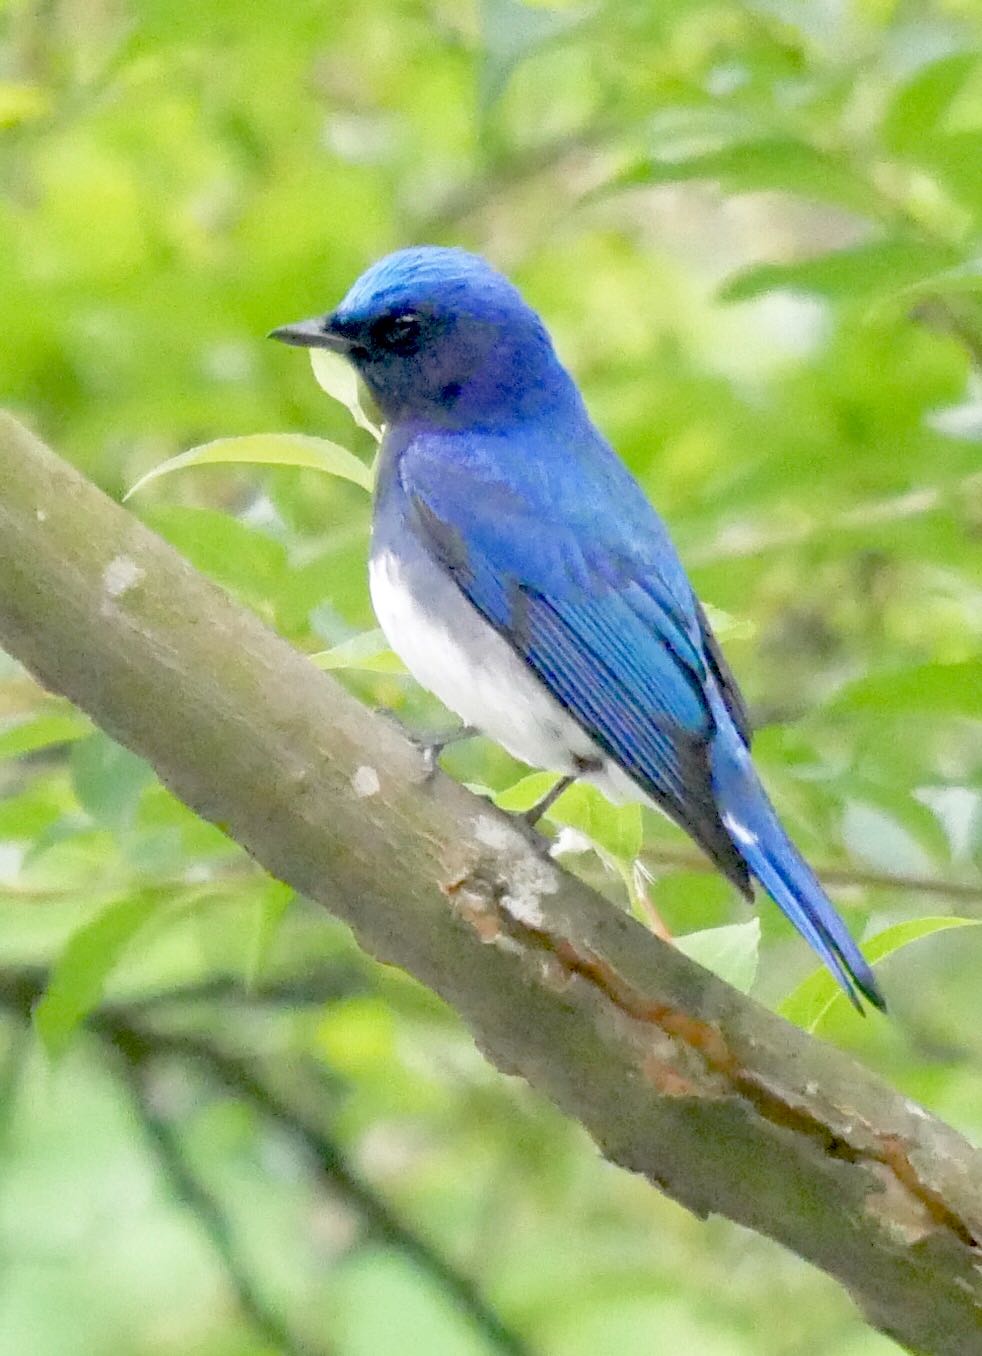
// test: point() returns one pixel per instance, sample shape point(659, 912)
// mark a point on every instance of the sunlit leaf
point(338, 378)
point(731, 952)
point(919, 108)
point(778, 163)
point(726, 626)
point(369, 651)
point(21, 102)
point(78, 977)
point(29, 815)
point(810, 1002)
point(954, 161)
point(41, 731)
point(268, 449)
point(525, 793)
point(271, 903)
point(614, 829)
point(862, 271)
point(357, 1034)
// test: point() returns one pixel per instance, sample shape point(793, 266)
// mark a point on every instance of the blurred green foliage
point(754, 229)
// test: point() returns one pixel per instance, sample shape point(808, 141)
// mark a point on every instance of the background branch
point(165, 1141)
point(238, 1078)
point(138, 1041)
point(715, 1100)
point(689, 859)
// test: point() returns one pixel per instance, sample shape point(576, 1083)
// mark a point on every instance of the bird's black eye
point(397, 333)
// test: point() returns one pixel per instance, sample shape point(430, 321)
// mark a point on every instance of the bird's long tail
point(772, 858)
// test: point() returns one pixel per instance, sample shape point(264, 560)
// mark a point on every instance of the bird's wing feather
point(597, 614)
point(727, 684)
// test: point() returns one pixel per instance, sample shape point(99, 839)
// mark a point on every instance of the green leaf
point(955, 160)
point(79, 975)
point(357, 1034)
point(930, 689)
point(108, 780)
point(30, 814)
point(727, 626)
point(919, 109)
point(268, 449)
point(524, 793)
point(240, 557)
point(864, 271)
point(271, 903)
point(782, 164)
point(810, 1002)
point(731, 952)
point(338, 379)
point(614, 829)
point(21, 102)
point(369, 651)
point(41, 731)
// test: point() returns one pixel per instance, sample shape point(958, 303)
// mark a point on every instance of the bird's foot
point(431, 743)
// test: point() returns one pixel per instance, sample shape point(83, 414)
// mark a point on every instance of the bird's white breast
point(452, 651)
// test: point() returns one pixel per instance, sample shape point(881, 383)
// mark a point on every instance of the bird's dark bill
point(315, 333)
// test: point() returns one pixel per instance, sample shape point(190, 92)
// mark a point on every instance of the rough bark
point(718, 1102)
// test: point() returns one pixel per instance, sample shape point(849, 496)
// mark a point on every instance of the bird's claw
point(431, 743)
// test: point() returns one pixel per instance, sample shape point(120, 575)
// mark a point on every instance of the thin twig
point(327, 985)
point(939, 313)
point(10, 1075)
point(689, 859)
point(22, 986)
point(475, 195)
point(237, 877)
point(742, 539)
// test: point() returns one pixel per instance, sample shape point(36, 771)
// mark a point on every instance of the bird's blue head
point(441, 337)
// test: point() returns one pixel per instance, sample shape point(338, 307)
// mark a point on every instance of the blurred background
point(750, 225)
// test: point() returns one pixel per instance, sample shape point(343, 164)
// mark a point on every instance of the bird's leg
point(533, 815)
point(431, 743)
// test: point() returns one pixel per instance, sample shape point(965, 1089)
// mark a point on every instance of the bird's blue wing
point(600, 609)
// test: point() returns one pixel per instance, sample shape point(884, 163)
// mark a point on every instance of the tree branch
point(714, 1099)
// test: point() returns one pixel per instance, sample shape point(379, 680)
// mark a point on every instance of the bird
point(522, 575)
